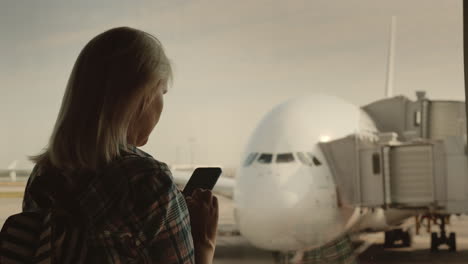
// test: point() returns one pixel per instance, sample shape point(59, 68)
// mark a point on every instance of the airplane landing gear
point(395, 235)
point(436, 240)
point(339, 249)
point(281, 257)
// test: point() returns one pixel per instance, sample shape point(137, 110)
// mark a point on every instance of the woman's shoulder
point(141, 166)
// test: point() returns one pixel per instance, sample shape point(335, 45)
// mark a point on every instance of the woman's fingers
point(203, 209)
point(207, 196)
point(196, 193)
point(215, 206)
point(203, 195)
point(214, 202)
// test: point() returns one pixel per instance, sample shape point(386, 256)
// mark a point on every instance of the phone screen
point(204, 178)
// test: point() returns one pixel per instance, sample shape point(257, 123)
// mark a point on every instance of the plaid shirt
point(131, 211)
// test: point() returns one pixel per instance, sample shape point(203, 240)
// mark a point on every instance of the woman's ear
point(133, 124)
point(139, 110)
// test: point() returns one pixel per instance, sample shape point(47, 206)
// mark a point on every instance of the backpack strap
point(19, 237)
point(68, 239)
point(43, 236)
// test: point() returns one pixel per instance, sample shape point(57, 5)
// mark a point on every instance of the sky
point(233, 61)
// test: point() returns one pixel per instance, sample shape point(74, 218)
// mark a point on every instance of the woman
point(109, 200)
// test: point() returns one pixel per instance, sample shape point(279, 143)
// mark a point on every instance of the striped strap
point(42, 237)
point(19, 237)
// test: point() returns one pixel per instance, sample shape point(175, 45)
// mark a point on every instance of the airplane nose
point(274, 217)
point(263, 191)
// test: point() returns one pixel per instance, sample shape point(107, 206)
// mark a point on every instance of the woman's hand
point(203, 209)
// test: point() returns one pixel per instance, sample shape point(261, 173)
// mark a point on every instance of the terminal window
point(376, 163)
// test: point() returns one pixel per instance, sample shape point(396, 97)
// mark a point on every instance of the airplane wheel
point(452, 242)
point(434, 242)
point(406, 237)
point(389, 239)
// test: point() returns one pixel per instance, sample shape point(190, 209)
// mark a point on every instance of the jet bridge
point(420, 119)
point(418, 162)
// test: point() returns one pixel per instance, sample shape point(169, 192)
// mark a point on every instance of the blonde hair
point(107, 88)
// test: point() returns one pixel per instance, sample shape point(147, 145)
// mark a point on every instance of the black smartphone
point(204, 178)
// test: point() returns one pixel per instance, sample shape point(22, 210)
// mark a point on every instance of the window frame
point(304, 158)
point(314, 159)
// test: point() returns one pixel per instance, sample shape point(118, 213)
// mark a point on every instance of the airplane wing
point(224, 186)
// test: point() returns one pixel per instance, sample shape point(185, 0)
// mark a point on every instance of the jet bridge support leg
point(442, 239)
point(419, 222)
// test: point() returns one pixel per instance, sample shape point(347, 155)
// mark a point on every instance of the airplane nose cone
point(273, 217)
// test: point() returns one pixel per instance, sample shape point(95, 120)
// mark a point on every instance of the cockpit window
point(284, 158)
point(305, 159)
point(315, 160)
point(250, 159)
point(265, 158)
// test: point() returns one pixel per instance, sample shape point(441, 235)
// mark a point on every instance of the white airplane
point(285, 196)
point(284, 193)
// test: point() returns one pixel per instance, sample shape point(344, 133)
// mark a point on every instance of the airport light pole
point(389, 83)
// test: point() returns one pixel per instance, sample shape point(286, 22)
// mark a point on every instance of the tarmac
point(233, 248)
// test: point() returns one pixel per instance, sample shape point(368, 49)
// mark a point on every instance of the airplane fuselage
point(285, 195)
